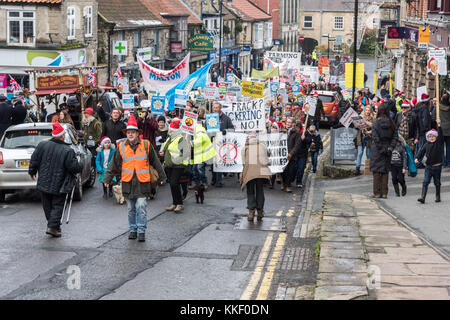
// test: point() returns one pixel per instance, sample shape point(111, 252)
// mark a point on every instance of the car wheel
point(92, 176)
point(2, 196)
point(78, 193)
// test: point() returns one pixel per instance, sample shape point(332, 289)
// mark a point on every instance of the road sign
point(120, 48)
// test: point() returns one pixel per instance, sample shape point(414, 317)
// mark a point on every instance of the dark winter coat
point(423, 120)
point(399, 157)
point(19, 113)
point(294, 141)
point(225, 122)
point(384, 140)
point(411, 123)
point(319, 110)
point(6, 112)
point(113, 130)
point(433, 151)
point(53, 160)
point(444, 115)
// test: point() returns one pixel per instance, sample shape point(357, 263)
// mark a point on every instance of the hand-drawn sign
point(228, 152)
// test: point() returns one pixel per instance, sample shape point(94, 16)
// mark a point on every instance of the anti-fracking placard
point(277, 149)
point(181, 97)
point(212, 122)
point(229, 152)
point(348, 116)
point(189, 121)
point(158, 103)
point(310, 104)
point(246, 116)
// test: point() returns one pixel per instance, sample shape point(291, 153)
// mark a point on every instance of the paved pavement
point(431, 220)
point(367, 254)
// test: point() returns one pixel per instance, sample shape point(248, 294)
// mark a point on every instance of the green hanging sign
point(200, 42)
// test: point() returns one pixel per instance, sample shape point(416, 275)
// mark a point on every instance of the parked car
point(18, 144)
point(330, 102)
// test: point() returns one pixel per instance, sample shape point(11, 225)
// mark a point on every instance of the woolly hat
point(58, 130)
point(175, 125)
point(132, 125)
point(161, 118)
point(103, 140)
point(89, 111)
point(432, 132)
point(424, 97)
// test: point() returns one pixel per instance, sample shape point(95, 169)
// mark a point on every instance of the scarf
point(404, 127)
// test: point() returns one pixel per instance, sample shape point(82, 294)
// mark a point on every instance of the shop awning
point(53, 91)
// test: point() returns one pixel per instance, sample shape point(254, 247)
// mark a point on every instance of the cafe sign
point(58, 82)
point(200, 42)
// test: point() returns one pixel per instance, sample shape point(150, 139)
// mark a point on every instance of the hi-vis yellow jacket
point(202, 146)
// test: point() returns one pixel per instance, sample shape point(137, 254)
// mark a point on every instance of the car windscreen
point(326, 99)
point(25, 138)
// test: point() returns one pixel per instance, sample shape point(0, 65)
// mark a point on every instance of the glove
point(289, 156)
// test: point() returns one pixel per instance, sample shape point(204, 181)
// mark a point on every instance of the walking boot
point(110, 194)
point(438, 194)
point(179, 208)
point(251, 215)
point(141, 237)
point(397, 189)
point(171, 207)
point(357, 171)
point(132, 235)
point(288, 189)
point(105, 192)
point(403, 189)
point(260, 214)
point(424, 195)
point(282, 187)
point(53, 232)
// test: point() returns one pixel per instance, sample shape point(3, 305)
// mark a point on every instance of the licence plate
point(22, 163)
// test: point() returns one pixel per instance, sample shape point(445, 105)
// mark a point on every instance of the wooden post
point(437, 95)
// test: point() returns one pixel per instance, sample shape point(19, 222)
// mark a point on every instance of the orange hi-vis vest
point(135, 162)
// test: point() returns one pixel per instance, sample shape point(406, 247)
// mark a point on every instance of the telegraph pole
point(355, 46)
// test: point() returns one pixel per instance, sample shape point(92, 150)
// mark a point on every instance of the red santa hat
point(275, 124)
point(315, 93)
point(402, 94)
point(58, 130)
point(406, 104)
point(89, 111)
point(132, 124)
point(103, 140)
point(414, 101)
point(175, 125)
point(424, 97)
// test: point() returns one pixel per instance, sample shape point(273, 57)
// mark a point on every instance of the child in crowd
point(399, 165)
point(315, 147)
point(432, 149)
point(102, 161)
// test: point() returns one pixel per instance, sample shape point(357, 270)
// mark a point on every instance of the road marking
point(268, 277)
point(257, 273)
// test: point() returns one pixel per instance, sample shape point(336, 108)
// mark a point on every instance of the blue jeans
point(314, 157)
point(217, 177)
point(301, 164)
point(446, 158)
point(198, 173)
point(137, 214)
point(361, 151)
point(317, 124)
point(435, 172)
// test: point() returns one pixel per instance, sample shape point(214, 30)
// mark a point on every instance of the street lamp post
point(328, 43)
point(355, 47)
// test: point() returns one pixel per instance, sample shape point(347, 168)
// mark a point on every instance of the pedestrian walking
point(432, 149)
point(132, 163)
point(254, 174)
point(315, 147)
point(204, 151)
point(444, 116)
point(6, 112)
point(384, 140)
point(363, 138)
point(423, 124)
point(293, 142)
point(114, 128)
point(399, 165)
point(176, 153)
point(92, 131)
point(302, 153)
point(56, 164)
point(104, 156)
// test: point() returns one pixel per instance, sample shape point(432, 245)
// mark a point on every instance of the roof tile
point(171, 7)
point(248, 10)
point(32, 1)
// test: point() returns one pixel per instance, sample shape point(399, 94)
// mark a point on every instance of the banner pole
point(437, 95)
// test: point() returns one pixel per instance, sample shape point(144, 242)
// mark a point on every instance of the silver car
point(17, 146)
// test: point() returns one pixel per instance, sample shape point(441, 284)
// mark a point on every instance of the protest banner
point(359, 123)
point(210, 92)
point(222, 87)
point(437, 62)
point(229, 78)
point(323, 62)
point(181, 97)
point(252, 89)
point(310, 104)
point(229, 152)
point(163, 80)
point(277, 149)
point(188, 123)
point(295, 88)
point(266, 74)
point(128, 101)
point(420, 91)
point(212, 122)
point(158, 103)
point(146, 104)
point(246, 116)
point(287, 62)
point(310, 74)
point(333, 79)
point(346, 94)
point(348, 116)
point(274, 87)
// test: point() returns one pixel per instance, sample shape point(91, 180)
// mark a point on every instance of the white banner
point(348, 116)
point(309, 74)
point(247, 116)
point(161, 80)
point(229, 150)
point(277, 148)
